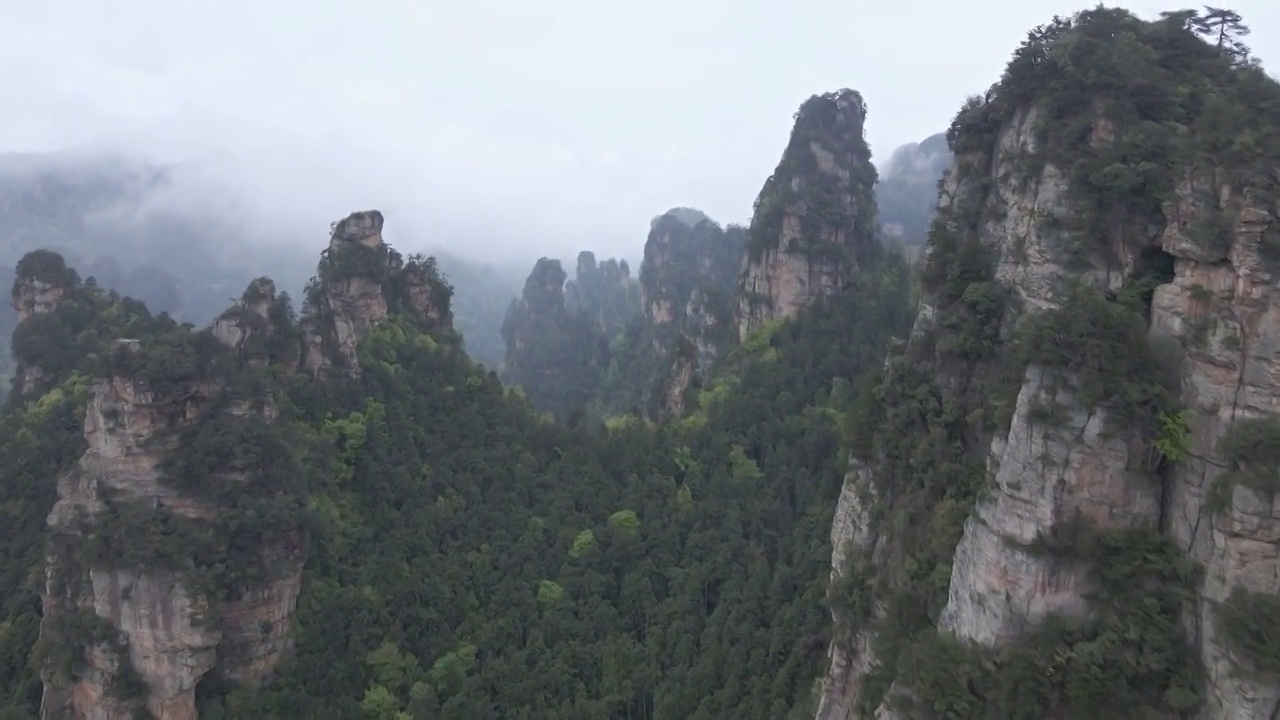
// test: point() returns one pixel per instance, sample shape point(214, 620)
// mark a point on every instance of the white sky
point(497, 127)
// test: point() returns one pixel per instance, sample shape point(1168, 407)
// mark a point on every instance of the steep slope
point(1062, 472)
point(814, 217)
point(177, 542)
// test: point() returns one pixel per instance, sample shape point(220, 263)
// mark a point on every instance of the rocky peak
point(544, 288)
point(42, 284)
point(925, 159)
point(907, 190)
point(815, 215)
point(680, 258)
point(130, 620)
point(687, 215)
point(363, 227)
point(687, 281)
point(249, 319)
point(360, 281)
point(427, 294)
point(41, 280)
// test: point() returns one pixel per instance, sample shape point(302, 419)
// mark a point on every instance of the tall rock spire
point(815, 215)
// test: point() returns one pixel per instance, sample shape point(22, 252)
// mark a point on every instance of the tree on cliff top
point(1224, 28)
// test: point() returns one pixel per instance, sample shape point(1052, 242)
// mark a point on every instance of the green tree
point(1224, 28)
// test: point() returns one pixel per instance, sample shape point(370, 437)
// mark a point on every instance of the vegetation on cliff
point(465, 553)
point(1128, 111)
point(479, 557)
point(1128, 653)
point(468, 557)
point(688, 281)
point(1131, 109)
point(41, 438)
point(827, 167)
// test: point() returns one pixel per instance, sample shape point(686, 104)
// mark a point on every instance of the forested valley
point(792, 469)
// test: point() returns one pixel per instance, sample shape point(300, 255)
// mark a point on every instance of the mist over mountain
point(907, 191)
point(132, 227)
point(989, 430)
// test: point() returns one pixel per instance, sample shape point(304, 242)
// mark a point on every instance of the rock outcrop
point(1223, 306)
point(130, 619)
point(360, 280)
point(1030, 388)
point(687, 281)
point(176, 546)
point(364, 227)
point(850, 655)
point(815, 215)
point(42, 281)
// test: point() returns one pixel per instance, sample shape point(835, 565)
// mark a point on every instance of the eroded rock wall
point(157, 632)
point(1224, 308)
point(1056, 457)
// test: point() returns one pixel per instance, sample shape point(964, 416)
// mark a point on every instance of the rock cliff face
point(851, 655)
point(687, 281)
point(176, 546)
point(1224, 308)
point(814, 216)
point(129, 618)
point(1061, 429)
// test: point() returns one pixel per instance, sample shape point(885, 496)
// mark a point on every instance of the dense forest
point(471, 557)
point(960, 488)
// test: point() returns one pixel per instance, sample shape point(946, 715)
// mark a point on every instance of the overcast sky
point(497, 127)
